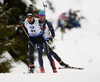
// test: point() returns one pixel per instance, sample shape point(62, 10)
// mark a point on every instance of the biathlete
point(36, 38)
point(47, 28)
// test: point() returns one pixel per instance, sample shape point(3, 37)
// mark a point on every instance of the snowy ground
point(80, 47)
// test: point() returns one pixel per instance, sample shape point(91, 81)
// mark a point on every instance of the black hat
point(30, 14)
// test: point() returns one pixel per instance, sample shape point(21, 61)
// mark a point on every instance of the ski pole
point(29, 40)
point(22, 23)
point(50, 36)
point(44, 5)
point(25, 31)
point(27, 35)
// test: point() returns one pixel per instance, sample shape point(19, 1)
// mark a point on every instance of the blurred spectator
point(68, 20)
point(62, 22)
point(72, 19)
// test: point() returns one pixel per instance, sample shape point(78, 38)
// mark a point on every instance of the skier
point(72, 18)
point(36, 37)
point(49, 28)
point(62, 22)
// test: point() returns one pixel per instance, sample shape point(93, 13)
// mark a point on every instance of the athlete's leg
point(40, 49)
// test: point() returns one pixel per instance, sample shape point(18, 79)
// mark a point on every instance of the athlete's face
point(42, 17)
point(30, 19)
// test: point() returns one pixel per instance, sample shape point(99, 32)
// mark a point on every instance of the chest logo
point(32, 27)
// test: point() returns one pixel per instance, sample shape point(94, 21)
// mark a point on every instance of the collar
point(32, 22)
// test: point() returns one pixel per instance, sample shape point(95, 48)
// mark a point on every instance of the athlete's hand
point(44, 25)
point(43, 28)
point(21, 24)
point(50, 39)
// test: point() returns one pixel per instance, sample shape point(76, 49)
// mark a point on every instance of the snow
point(74, 77)
point(18, 67)
point(2, 1)
point(5, 56)
point(80, 47)
point(28, 2)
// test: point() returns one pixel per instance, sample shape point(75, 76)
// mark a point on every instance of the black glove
point(50, 39)
point(21, 22)
point(43, 28)
point(44, 25)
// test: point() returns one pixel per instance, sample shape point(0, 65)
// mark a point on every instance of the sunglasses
point(41, 15)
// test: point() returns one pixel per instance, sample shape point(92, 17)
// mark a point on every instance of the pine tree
point(5, 33)
point(12, 37)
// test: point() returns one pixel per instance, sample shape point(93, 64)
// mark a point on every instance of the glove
point(50, 40)
point(43, 28)
point(21, 22)
point(44, 24)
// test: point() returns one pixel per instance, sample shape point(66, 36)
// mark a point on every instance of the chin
point(30, 21)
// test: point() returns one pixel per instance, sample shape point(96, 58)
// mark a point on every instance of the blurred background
point(77, 28)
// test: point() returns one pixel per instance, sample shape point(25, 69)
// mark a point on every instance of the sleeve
point(25, 22)
point(51, 29)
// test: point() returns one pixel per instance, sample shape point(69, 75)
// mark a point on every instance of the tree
point(12, 37)
point(5, 33)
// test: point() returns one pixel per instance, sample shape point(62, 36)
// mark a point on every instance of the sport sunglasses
point(41, 15)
